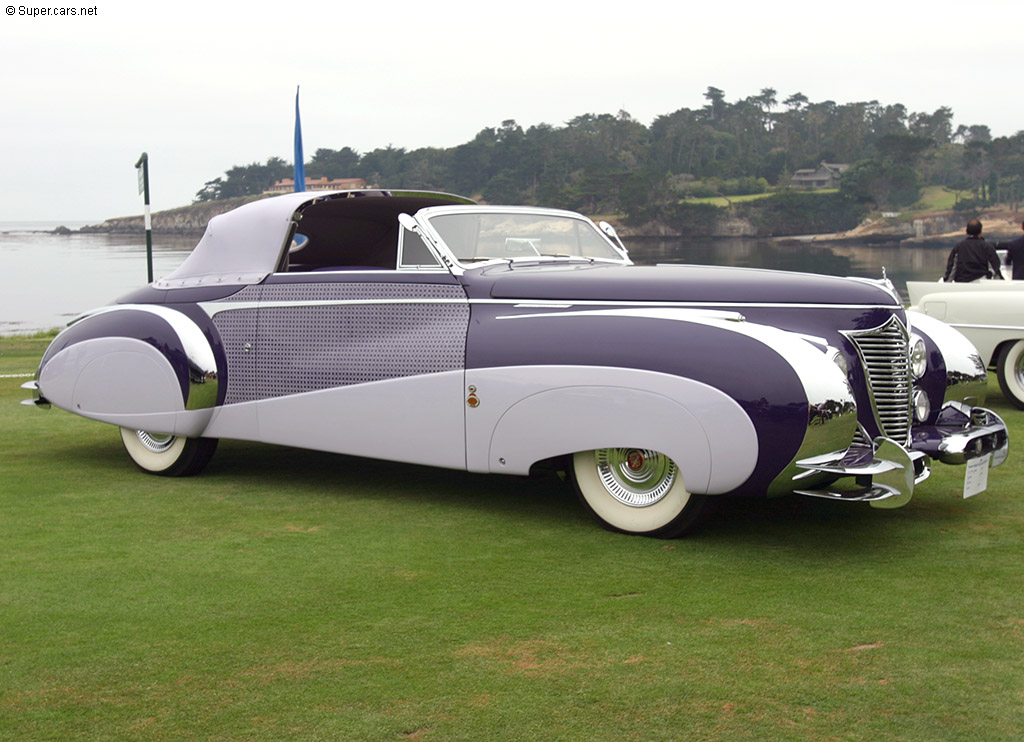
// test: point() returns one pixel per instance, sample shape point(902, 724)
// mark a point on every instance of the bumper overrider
point(884, 472)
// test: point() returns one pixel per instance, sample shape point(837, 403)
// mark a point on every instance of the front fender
point(529, 413)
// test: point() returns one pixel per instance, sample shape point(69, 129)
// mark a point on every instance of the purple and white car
point(423, 328)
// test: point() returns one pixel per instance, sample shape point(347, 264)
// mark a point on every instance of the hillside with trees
point(614, 164)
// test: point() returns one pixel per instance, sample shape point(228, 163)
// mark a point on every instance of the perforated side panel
point(312, 348)
point(249, 293)
point(299, 349)
point(238, 328)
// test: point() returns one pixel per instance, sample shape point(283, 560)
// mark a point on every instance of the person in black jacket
point(1015, 255)
point(972, 258)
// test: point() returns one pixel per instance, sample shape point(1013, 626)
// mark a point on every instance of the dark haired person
point(972, 258)
point(1015, 255)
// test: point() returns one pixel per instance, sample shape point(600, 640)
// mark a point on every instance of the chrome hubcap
point(1018, 369)
point(154, 442)
point(636, 477)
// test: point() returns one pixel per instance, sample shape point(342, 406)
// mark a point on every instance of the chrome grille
point(884, 356)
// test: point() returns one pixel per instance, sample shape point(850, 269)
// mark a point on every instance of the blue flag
point(300, 165)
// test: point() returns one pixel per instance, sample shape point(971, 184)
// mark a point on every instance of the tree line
point(605, 163)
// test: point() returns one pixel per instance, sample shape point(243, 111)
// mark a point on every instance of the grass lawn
point(722, 201)
point(291, 595)
point(936, 198)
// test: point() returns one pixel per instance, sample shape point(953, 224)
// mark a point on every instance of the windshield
point(485, 235)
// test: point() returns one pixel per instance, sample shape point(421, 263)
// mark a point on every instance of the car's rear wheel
point(638, 491)
point(1010, 372)
point(167, 455)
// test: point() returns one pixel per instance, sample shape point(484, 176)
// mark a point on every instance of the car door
point(365, 361)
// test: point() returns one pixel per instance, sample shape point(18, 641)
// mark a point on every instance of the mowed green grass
point(292, 595)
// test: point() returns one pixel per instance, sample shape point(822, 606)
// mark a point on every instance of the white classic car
point(990, 313)
point(423, 328)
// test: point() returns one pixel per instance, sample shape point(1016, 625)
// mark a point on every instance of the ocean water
point(47, 279)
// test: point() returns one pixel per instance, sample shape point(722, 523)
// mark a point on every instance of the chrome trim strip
point(683, 304)
point(685, 315)
point(213, 308)
point(986, 327)
point(216, 307)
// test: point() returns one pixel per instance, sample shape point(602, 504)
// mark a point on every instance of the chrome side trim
point(216, 307)
point(681, 304)
point(1019, 328)
point(213, 308)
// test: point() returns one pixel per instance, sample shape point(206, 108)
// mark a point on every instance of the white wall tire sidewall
point(150, 460)
point(1007, 371)
point(624, 517)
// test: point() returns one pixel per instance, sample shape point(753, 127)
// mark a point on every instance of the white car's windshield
point(486, 235)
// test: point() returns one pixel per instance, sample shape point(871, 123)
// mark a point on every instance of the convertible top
point(244, 245)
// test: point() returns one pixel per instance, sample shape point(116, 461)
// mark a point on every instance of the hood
point(683, 283)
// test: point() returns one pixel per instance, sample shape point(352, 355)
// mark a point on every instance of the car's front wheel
point(167, 455)
point(1010, 372)
point(638, 491)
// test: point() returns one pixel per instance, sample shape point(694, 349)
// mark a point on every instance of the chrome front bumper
point(962, 433)
point(884, 473)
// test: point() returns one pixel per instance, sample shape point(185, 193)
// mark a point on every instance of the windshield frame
point(424, 218)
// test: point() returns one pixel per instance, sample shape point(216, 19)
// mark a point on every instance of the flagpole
point(300, 165)
point(143, 167)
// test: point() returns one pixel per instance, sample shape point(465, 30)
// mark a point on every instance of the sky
point(204, 86)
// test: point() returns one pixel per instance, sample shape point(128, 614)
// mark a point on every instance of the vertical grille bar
point(884, 356)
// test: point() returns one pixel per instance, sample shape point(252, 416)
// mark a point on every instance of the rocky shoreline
point(940, 229)
point(185, 220)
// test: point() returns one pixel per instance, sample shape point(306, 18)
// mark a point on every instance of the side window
point(413, 253)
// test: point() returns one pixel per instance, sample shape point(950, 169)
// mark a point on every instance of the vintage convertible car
point(991, 315)
point(423, 328)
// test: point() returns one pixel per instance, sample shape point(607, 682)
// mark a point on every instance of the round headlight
point(922, 407)
point(918, 357)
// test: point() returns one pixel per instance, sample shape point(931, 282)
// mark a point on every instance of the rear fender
point(146, 367)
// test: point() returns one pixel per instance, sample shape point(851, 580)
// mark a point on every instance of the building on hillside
point(287, 185)
point(827, 175)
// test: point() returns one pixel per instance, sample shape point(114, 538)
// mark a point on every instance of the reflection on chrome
point(831, 426)
point(966, 379)
point(975, 432)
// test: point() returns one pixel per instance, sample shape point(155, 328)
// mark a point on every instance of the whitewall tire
point(638, 491)
point(1010, 372)
point(167, 455)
